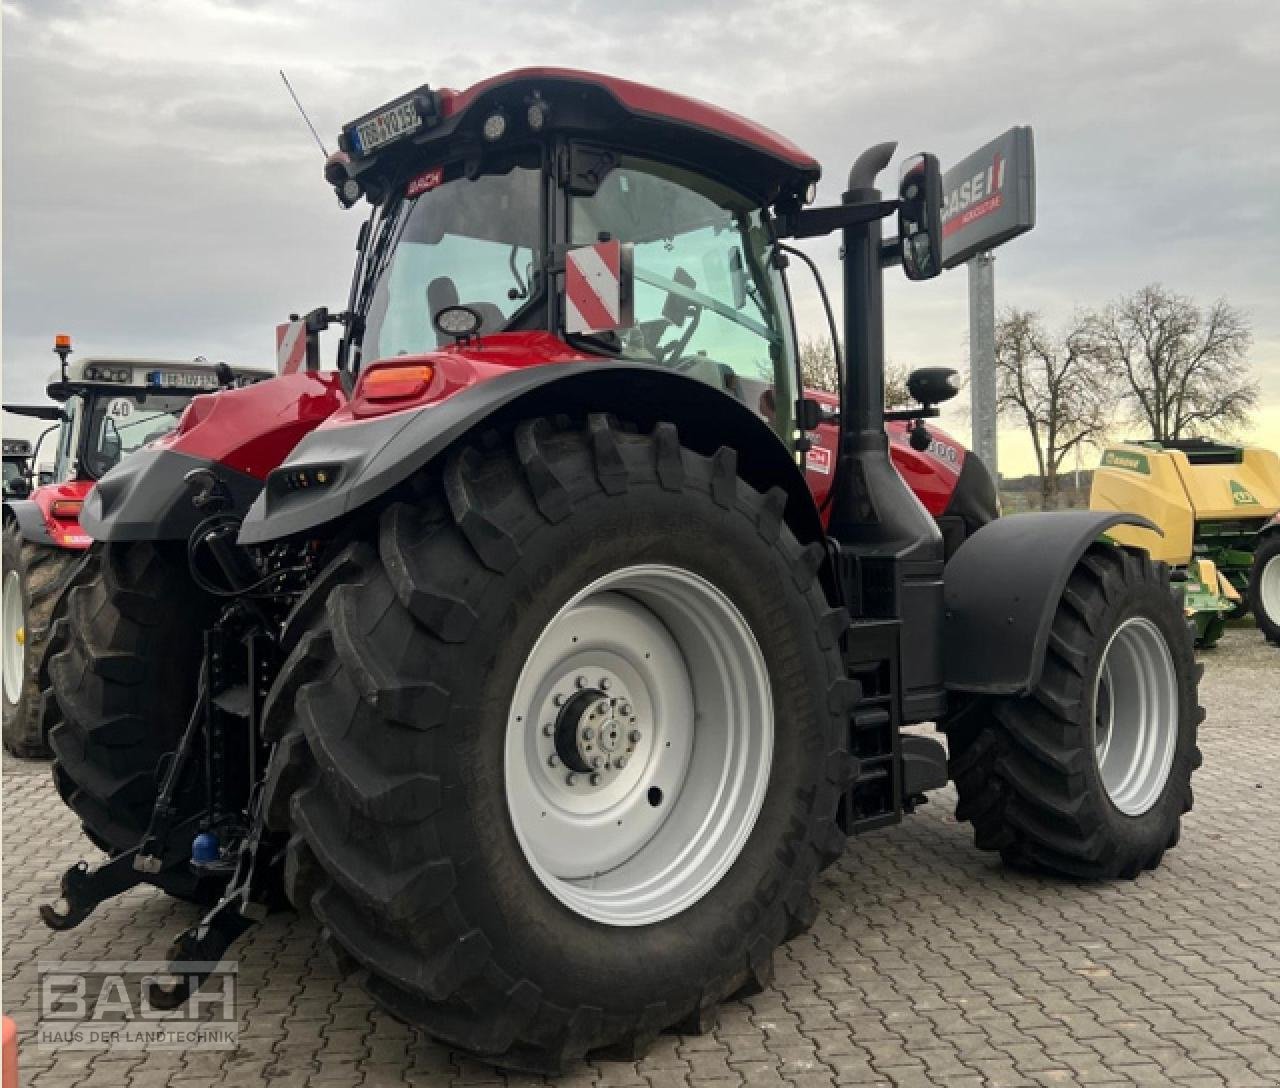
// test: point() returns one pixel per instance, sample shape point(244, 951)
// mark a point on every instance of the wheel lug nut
point(558, 700)
point(571, 780)
point(553, 760)
point(625, 708)
point(588, 733)
point(634, 736)
point(548, 730)
point(595, 780)
point(580, 682)
point(604, 683)
point(602, 707)
point(597, 762)
point(620, 762)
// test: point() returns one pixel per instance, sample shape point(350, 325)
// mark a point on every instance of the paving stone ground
point(929, 964)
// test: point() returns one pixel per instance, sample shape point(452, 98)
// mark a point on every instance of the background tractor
point(1264, 582)
point(17, 468)
point(106, 409)
point(558, 635)
point(1211, 502)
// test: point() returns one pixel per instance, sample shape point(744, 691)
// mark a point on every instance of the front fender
point(1002, 588)
point(362, 461)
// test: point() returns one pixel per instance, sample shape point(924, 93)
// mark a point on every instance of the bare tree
point(1055, 385)
point(818, 370)
point(1185, 368)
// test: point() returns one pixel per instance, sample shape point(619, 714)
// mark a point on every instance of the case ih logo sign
point(971, 200)
point(989, 197)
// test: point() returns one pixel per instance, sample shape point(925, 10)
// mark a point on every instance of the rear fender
point(30, 520)
point(363, 461)
point(1002, 588)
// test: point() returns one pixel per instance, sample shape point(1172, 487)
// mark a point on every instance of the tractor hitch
point(245, 902)
point(83, 888)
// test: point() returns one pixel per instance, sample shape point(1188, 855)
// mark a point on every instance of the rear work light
point(66, 508)
point(396, 382)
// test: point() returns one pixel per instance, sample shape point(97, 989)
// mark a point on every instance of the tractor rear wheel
point(124, 684)
point(1264, 586)
point(34, 577)
point(1090, 774)
point(560, 756)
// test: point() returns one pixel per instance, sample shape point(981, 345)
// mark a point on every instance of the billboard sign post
point(987, 198)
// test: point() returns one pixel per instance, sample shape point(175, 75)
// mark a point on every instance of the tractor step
point(874, 796)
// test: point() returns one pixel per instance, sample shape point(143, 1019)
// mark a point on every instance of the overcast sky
point(162, 198)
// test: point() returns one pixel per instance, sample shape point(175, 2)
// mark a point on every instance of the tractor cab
point(110, 407)
point(479, 197)
point(630, 223)
point(103, 410)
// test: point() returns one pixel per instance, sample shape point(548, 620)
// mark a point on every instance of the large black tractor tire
point(395, 715)
point(1264, 586)
point(123, 687)
point(1077, 779)
point(35, 576)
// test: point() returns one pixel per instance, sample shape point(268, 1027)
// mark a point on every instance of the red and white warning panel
point(597, 288)
point(291, 346)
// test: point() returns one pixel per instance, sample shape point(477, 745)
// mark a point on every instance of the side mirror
point(932, 385)
point(17, 488)
point(920, 217)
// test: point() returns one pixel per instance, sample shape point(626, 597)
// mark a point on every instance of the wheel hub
point(595, 731)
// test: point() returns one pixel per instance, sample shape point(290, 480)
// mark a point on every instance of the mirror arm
point(903, 415)
point(817, 222)
point(890, 252)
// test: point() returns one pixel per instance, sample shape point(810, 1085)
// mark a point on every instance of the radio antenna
point(289, 88)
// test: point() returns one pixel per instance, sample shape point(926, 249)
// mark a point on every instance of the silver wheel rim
point(15, 650)
point(650, 679)
point(1135, 716)
point(1269, 588)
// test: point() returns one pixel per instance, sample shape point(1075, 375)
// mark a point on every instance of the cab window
point(708, 301)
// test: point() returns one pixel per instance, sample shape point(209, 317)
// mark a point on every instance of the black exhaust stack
point(890, 548)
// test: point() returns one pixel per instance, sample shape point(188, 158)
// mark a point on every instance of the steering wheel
point(672, 353)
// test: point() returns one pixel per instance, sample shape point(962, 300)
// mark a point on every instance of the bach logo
point(92, 1005)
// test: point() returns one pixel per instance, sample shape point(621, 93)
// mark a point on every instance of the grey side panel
point(30, 521)
point(145, 497)
point(1002, 588)
point(364, 461)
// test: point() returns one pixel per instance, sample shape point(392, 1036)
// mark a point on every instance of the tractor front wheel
point(561, 754)
point(1264, 586)
point(1090, 774)
point(34, 577)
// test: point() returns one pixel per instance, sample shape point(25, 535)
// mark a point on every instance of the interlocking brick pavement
point(929, 964)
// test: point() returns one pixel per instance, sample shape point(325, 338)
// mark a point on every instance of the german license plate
point(387, 126)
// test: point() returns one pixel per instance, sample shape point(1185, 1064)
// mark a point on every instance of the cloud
point(162, 196)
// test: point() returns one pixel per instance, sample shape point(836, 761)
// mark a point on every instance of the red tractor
point(104, 410)
point(523, 652)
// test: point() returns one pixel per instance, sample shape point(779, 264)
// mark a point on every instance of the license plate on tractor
point(387, 126)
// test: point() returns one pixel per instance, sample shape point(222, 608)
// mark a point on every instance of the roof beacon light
point(62, 348)
point(495, 126)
